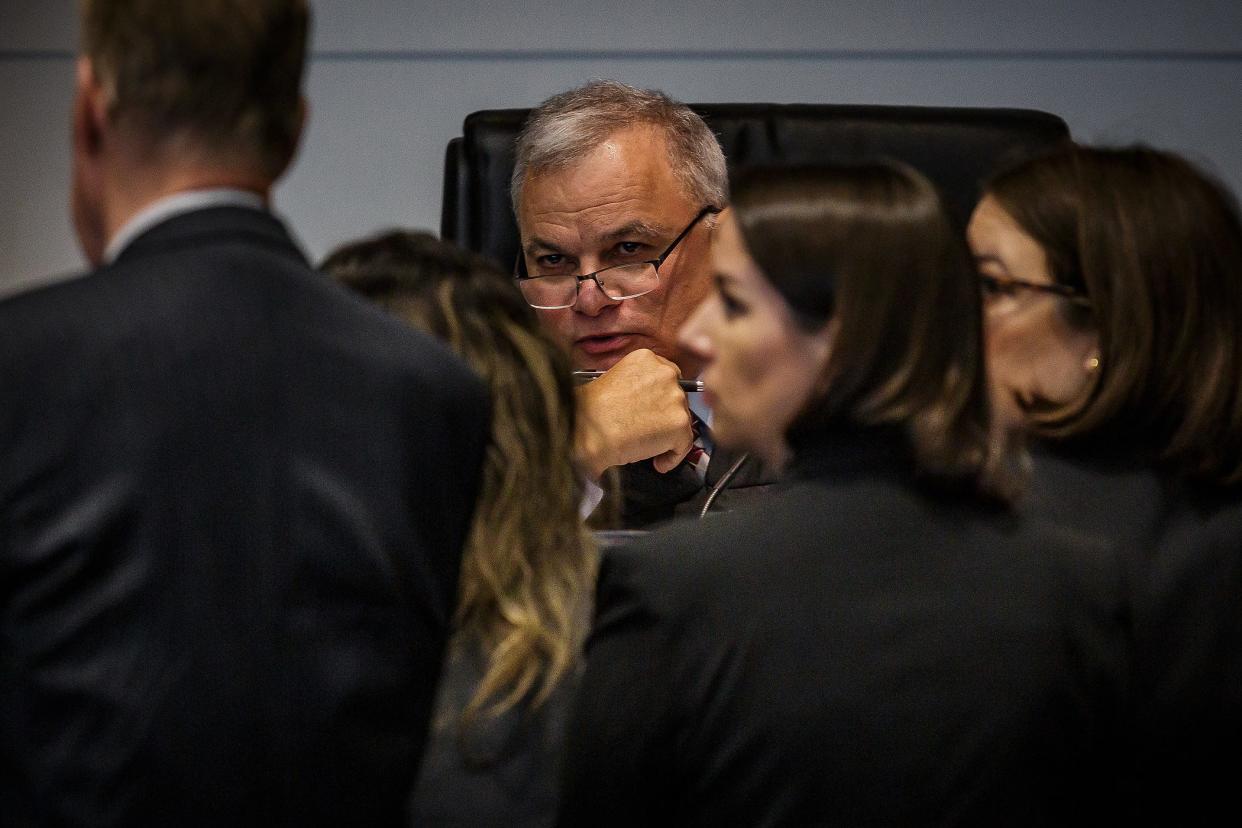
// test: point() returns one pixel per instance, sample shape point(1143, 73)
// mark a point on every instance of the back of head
point(216, 79)
point(527, 562)
point(414, 274)
point(566, 127)
point(869, 250)
point(1155, 245)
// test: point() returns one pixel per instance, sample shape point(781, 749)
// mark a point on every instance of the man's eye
point(550, 261)
point(629, 248)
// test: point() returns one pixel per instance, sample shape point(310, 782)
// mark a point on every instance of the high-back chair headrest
point(957, 148)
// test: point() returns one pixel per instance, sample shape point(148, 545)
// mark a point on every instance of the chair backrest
point(957, 148)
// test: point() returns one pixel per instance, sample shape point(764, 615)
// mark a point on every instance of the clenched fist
point(634, 411)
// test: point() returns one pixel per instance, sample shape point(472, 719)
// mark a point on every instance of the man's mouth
point(602, 343)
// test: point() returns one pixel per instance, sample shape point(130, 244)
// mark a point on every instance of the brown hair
point(870, 248)
point(224, 76)
point(528, 562)
point(1156, 247)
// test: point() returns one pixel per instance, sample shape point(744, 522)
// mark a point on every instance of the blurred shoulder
point(692, 563)
point(1203, 531)
point(1100, 493)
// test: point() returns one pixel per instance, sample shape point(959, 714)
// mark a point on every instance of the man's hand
point(634, 411)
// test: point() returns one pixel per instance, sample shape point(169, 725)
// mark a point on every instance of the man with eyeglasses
point(616, 191)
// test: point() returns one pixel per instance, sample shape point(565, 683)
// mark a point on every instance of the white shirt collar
point(699, 407)
point(165, 208)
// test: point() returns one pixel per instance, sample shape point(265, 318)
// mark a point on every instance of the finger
point(669, 460)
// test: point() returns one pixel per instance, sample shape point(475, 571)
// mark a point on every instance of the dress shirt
point(165, 208)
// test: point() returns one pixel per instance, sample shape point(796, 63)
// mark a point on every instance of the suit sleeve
point(619, 747)
point(452, 410)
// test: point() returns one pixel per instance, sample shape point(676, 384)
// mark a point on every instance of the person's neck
point(130, 193)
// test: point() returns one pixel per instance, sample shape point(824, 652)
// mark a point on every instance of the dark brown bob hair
point(869, 249)
point(1155, 245)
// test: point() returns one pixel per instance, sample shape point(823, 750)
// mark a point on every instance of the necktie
point(700, 451)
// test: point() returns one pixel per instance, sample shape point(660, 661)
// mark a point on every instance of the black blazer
point(648, 497)
point(502, 771)
point(1180, 547)
point(232, 503)
point(1188, 661)
point(1187, 664)
point(855, 651)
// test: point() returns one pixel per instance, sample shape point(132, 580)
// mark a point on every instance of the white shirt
point(165, 208)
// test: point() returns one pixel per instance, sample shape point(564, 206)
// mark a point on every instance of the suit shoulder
point(431, 363)
point(47, 295)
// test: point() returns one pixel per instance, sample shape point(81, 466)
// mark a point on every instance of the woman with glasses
point(1113, 285)
point(1112, 304)
point(881, 642)
point(1041, 339)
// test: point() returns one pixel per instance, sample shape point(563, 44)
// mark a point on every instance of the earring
point(1091, 364)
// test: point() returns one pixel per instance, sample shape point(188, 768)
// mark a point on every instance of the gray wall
point(390, 82)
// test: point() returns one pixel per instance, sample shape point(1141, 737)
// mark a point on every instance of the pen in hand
point(582, 377)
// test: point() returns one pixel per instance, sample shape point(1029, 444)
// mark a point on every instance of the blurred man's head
point(611, 175)
point(208, 86)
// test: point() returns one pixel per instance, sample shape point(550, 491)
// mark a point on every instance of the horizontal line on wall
point(37, 54)
point(525, 56)
point(769, 55)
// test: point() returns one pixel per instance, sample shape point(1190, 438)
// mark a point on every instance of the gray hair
point(566, 127)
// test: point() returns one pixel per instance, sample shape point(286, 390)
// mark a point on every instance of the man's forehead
point(636, 157)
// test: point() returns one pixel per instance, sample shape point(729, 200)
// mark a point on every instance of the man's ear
point(90, 110)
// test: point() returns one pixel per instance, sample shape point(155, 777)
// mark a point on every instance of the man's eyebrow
point(536, 243)
point(638, 228)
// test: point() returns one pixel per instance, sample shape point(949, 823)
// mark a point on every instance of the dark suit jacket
point(232, 503)
point(647, 497)
point(854, 650)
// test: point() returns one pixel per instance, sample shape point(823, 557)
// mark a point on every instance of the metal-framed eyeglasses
point(553, 291)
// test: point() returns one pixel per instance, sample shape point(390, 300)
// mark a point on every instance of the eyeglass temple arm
point(668, 251)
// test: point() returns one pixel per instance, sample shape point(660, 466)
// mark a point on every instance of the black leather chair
point(957, 148)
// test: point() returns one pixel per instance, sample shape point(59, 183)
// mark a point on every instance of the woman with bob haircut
point(881, 642)
point(1113, 280)
point(528, 563)
point(1124, 263)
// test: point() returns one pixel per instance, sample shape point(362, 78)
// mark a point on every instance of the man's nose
point(591, 300)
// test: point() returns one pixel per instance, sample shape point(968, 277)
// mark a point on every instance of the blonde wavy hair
point(529, 562)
